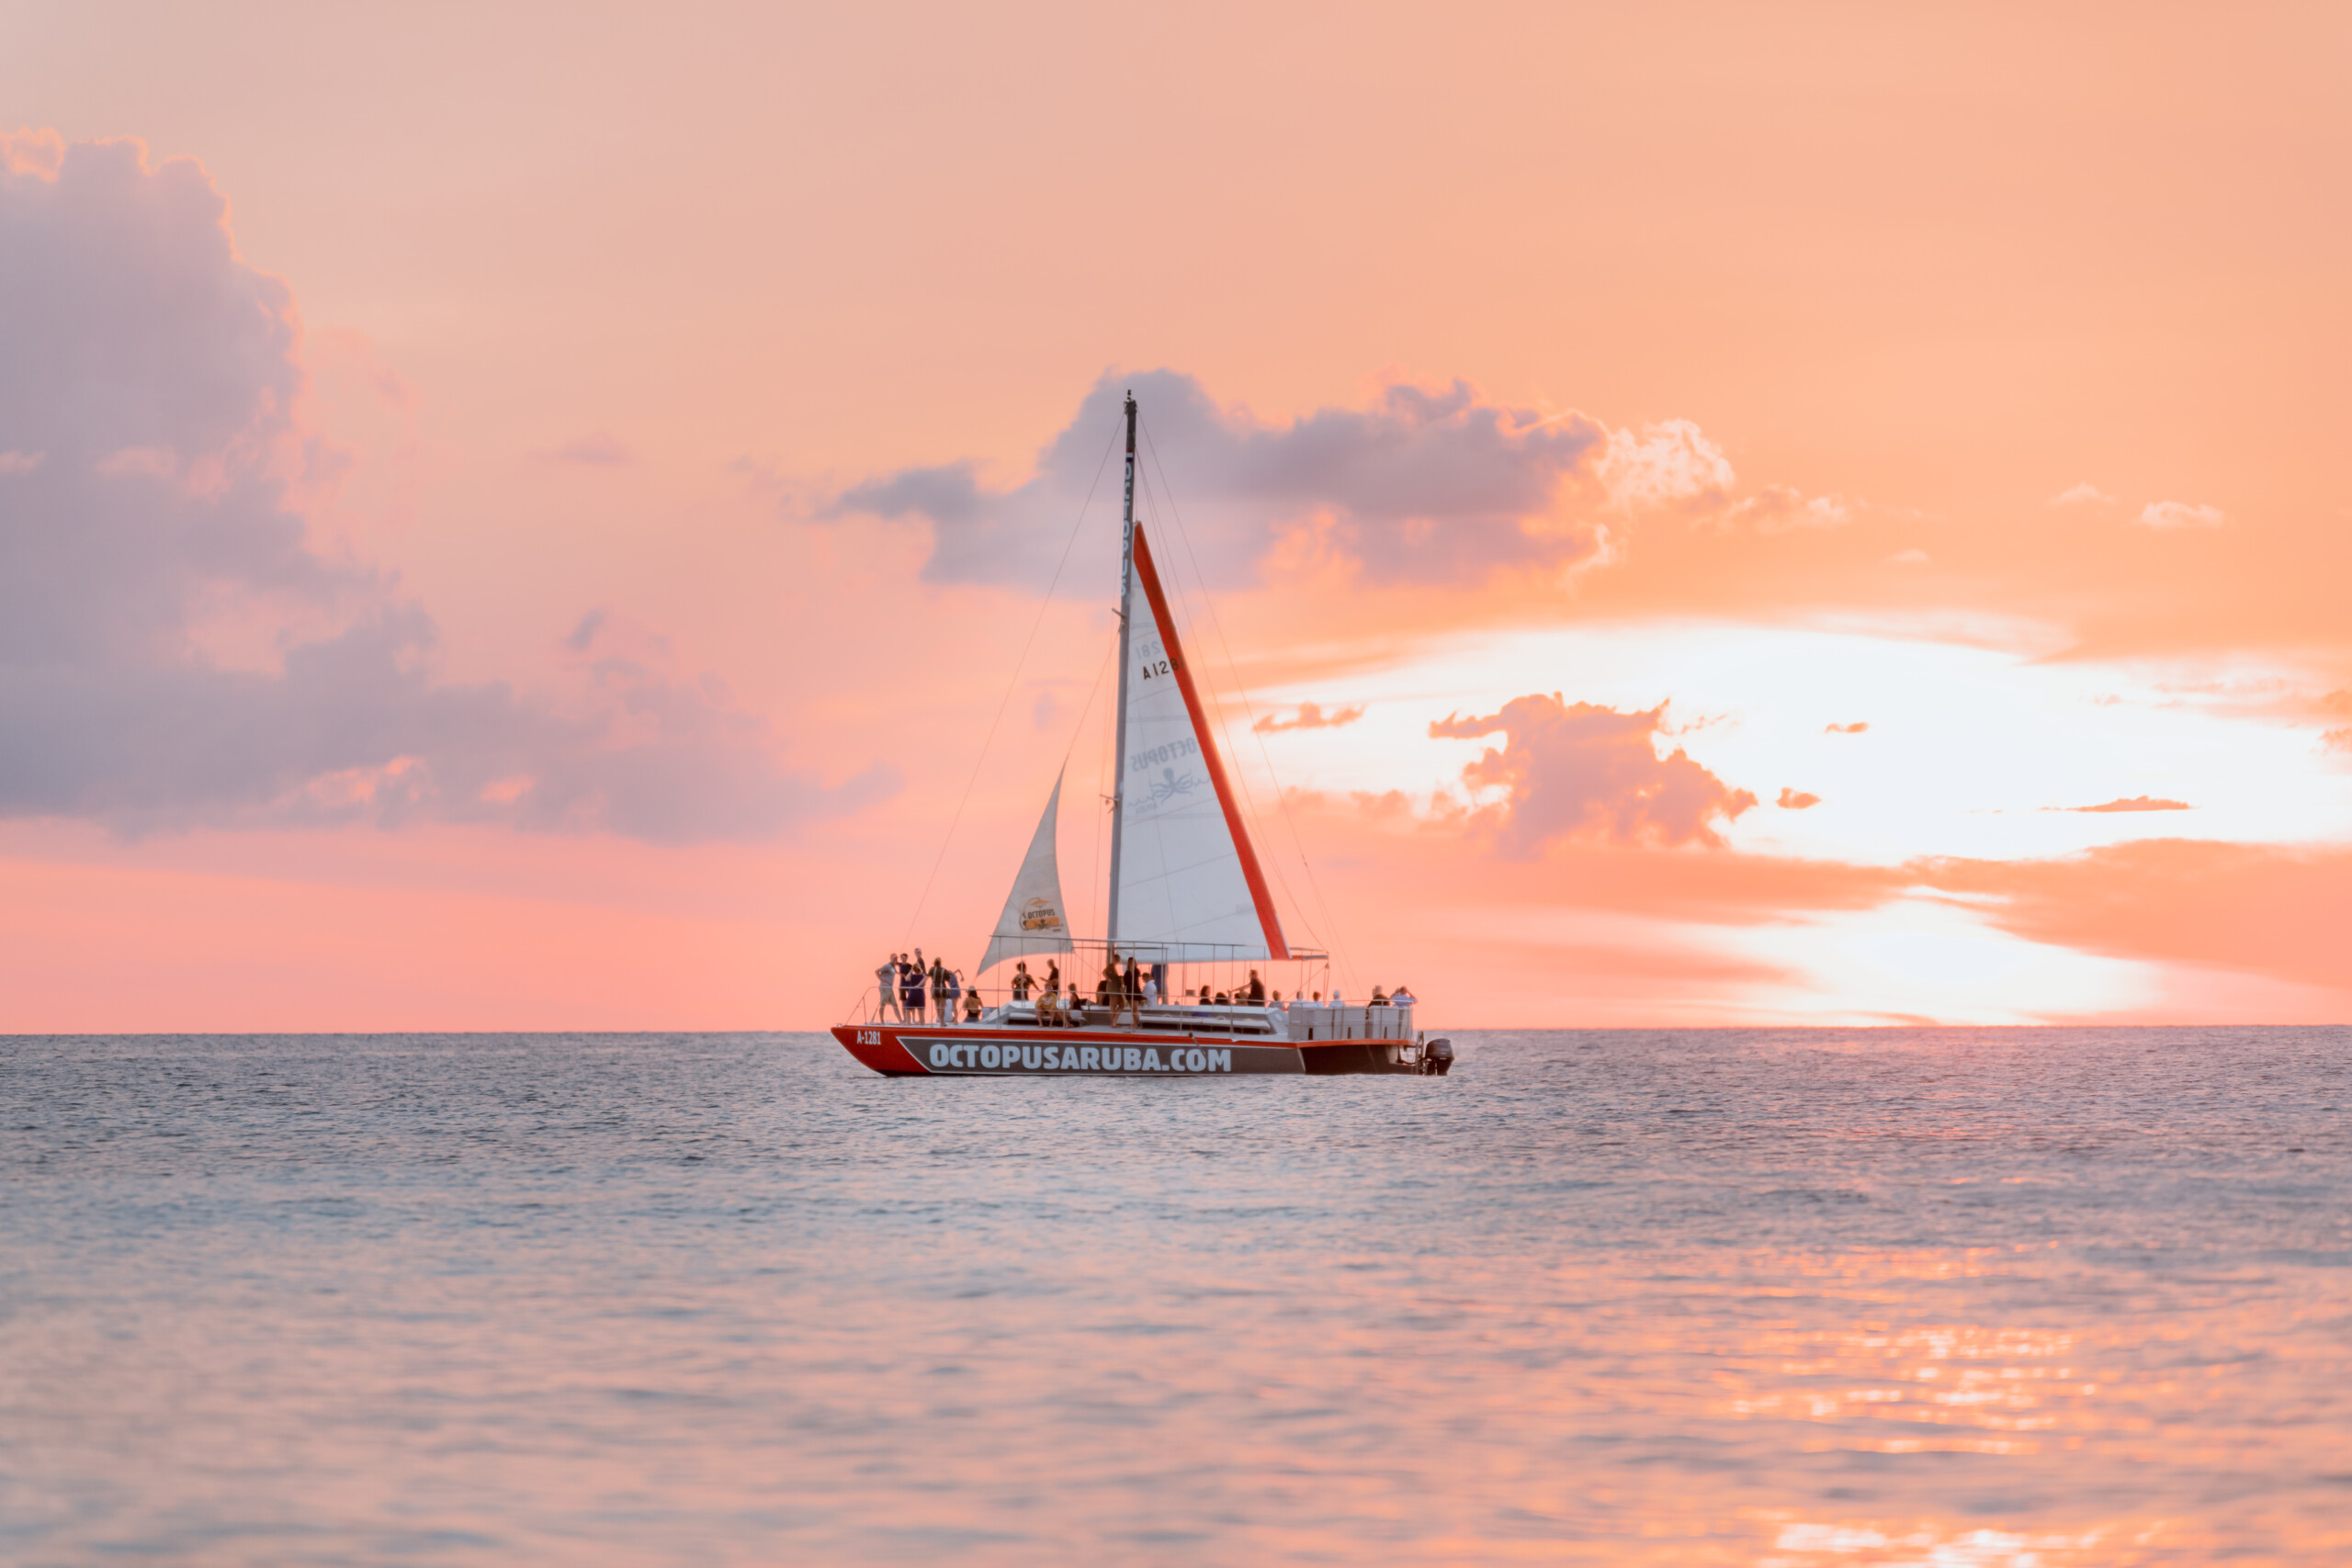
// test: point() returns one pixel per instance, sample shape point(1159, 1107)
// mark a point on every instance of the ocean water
point(1949, 1298)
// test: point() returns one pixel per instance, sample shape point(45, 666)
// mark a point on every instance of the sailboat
point(1186, 893)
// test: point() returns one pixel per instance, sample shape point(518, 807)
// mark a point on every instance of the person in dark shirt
point(1256, 992)
point(1022, 983)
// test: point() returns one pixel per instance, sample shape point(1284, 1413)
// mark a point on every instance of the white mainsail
point(1188, 885)
point(1032, 921)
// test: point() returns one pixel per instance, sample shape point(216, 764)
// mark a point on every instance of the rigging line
point(1018, 665)
point(1185, 539)
point(1298, 843)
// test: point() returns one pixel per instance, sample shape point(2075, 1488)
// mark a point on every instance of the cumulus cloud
point(1796, 800)
point(1310, 717)
point(1421, 485)
point(1667, 467)
point(2084, 494)
point(1776, 509)
point(1588, 772)
point(151, 376)
point(2136, 803)
point(2175, 514)
point(1855, 729)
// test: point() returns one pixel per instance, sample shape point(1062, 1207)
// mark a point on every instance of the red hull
point(905, 1050)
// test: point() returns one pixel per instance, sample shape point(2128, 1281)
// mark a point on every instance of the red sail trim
point(1273, 927)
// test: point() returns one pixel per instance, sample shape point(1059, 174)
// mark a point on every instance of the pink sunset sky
point(530, 516)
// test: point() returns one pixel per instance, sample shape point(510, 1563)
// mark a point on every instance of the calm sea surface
point(1953, 1298)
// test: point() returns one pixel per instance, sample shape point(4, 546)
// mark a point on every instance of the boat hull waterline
point(914, 1051)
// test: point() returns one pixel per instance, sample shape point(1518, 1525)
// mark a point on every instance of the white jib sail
point(1189, 888)
point(1033, 921)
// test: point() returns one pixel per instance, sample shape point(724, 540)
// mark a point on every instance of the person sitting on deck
point(1275, 1000)
point(1379, 998)
point(972, 1009)
point(1402, 997)
point(1256, 992)
point(1224, 1000)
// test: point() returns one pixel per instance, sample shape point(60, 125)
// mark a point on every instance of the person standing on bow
point(940, 977)
point(911, 988)
point(885, 984)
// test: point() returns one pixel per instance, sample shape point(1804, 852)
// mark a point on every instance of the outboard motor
point(1437, 1057)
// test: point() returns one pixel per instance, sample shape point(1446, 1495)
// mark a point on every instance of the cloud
point(2172, 514)
point(2137, 803)
point(1793, 800)
point(596, 450)
point(1669, 466)
point(1855, 728)
point(1590, 771)
point(1911, 557)
point(155, 375)
point(1776, 509)
point(1421, 485)
point(2256, 907)
point(2084, 494)
point(1310, 717)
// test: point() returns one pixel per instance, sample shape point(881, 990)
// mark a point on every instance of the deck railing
point(1298, 1022)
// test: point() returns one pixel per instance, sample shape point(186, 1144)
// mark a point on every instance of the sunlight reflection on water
point(2011, 1297)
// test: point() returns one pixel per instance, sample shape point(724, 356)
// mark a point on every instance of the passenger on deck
point(1053, 977)
point(1023, 982)
point(911, 988)
point(886, 982)
point(940, 976)
point(972, 1009)
point(1402, 998)
point(1275, 1000)
point(1257, 988)
point(1151, 990)
point(1379, 998)
point(1224, 1000)
point(950, 1003)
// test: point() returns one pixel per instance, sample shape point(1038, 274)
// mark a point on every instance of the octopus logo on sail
point(949, 1055)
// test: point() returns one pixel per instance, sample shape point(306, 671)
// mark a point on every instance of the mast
point(1126, 593)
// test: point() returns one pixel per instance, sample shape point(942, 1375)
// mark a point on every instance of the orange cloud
point(2136, 803)
point(2258, 908)
point(1845, 728)
point(1795, 800)
point(2180, 515)
point(1310, 717)
point(1584, 770)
